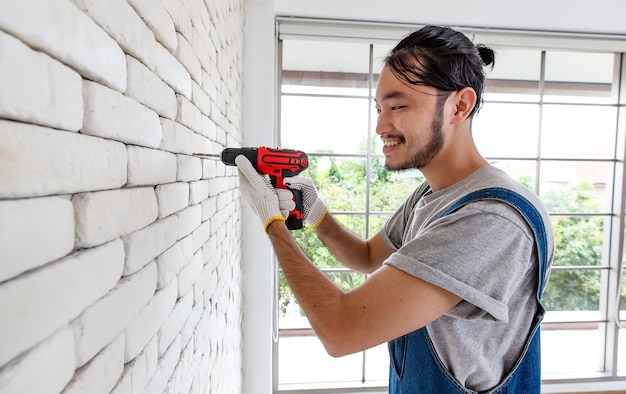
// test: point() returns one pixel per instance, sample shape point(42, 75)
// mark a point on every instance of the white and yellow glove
point(314, 209)
point(258, 191)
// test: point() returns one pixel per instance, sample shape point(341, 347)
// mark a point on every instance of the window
point(553, 118)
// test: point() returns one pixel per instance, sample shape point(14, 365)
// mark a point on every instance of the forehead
point(390, 86)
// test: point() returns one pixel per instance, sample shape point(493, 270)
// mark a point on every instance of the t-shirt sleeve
point(481, 253)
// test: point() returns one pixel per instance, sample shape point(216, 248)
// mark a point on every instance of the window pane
point(523, 171)
point(576, 186)
point(515, 76)
point(574, 131)
point(578, 77)
point(377, 364)
point(577, 349)
point(325, 67)
point(573, 290)
point(303, 359)
point(578, 241)
point(496, 136)
point(340, 182)
point(324, 124)
point(389, 189)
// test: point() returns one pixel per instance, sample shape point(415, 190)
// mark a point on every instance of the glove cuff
point(270, 220)
point(316, 214)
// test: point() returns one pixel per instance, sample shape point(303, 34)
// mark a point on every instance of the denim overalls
point(415, 366)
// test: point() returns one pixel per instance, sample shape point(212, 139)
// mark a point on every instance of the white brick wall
point(119, 251)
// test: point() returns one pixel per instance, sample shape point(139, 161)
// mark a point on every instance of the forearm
point(318, 296)
point(351, 250)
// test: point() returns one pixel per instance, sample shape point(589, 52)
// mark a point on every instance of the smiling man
point(457, 272)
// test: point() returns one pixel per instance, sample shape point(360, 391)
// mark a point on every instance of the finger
point(246, 169)
point(285, 200)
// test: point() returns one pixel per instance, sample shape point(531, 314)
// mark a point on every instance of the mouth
point(390, 142)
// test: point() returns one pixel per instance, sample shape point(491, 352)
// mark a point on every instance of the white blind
point(303, 28)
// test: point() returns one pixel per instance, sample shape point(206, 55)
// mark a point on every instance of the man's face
point(410, 120)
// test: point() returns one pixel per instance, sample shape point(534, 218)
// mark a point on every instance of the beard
point(423, 155)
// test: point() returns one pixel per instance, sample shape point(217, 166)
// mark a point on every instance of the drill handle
point(296, 217)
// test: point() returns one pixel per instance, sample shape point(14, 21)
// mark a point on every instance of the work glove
point(258, 191)
point(314, 209)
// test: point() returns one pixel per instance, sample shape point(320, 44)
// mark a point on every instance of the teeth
point(391, 142)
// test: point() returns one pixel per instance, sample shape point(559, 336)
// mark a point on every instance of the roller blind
point(303, 28)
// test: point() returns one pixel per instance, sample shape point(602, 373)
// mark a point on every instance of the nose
point(382, 124)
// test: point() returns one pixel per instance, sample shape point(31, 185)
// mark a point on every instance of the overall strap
point(526, 209)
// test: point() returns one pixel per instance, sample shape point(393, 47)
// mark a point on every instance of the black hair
point(442, 58)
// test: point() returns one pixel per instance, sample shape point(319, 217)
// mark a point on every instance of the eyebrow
point(392, 95)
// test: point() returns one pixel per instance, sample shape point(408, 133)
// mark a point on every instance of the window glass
point(325, 66)
point(576, 186)
point(515, 76)
point(580, 77)
point(507, 130)
point(575, 131)
point(324, 124)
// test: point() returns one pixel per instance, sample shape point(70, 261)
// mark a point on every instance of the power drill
point(278, 164)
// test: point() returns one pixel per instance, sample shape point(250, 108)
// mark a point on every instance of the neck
point(455, 162)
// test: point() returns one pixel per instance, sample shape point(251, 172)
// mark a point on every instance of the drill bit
point(208, 156)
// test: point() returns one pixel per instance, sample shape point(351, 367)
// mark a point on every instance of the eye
point(395, 107)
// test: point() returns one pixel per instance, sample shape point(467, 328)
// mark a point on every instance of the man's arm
point(364, 256)
point(389, 304)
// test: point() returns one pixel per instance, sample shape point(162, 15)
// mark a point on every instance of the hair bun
point(486, 54)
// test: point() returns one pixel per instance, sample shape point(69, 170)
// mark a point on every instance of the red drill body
point(278, 164)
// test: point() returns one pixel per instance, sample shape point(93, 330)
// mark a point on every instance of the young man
point(454, 289)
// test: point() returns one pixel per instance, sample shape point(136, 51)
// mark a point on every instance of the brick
point(137, 371)
point(189, 274)
point(38, 161)
point(187, 57)
point(158, 20)
point(150, 166)
point(109, 114)
point(202, 101)
point(198, 191)
point(68, 286)
point(180, 16)
point(106, 318)
point(167, 364)
point(102, 372)
point(148, 89)
point(70, 36)
point(180, 139)
point(147, 322)
point(188, 220)
point(174, 322)
point(208, 127)
point(209, 207)
point(170, 262)
point(38, 89)
point(144, 245)
point(188, 114)
point(172, 198)
point(44, 369)
point(188, 168)
point(103, 216)
point(45, 222)
point(122, 23)
point(200, 235)
point(172, 72)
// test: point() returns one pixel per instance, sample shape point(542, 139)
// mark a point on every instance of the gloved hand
point(258, 191)
point(286, 203)
point(314, 209)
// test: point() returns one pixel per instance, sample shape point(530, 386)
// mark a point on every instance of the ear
point(464, 100)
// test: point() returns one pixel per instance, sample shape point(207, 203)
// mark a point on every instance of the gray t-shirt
point(485, 253)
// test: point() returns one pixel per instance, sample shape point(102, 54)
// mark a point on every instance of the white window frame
point(389, 33)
